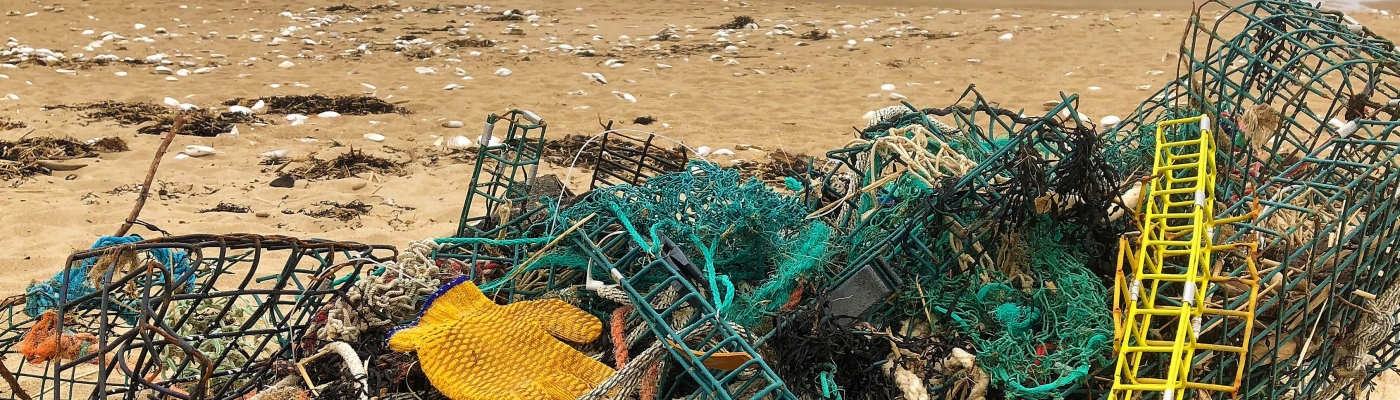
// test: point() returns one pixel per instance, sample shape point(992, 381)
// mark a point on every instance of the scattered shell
point(374, 137)
point(274, 154)
point(897, 96)
point(450, 86)
point(296, 117)
point(887, 87)
point(453, 124)
point(1144, 87)
point(723, 152)
point(1110, 121)
point(170, 101)
point(625, 96)
point(1005, 37)
point(368, 86)
point(328, 114)
point(425, 70)
point(662, 66)
point(503, 72)
point(195, 150)
point(120, 73)
point(286, 64)
point(702, 151)
point(164, 70)
point(259, 105)
point(459, 142)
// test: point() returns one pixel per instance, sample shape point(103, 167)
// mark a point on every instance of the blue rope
point(44, 296)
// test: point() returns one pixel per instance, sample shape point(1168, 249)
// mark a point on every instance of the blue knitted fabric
point(44, 296)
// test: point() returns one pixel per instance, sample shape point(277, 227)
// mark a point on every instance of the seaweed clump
point(349, 164)
point(318, 103)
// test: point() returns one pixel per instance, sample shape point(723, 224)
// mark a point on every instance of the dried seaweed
point(342, 8)
point(202, 122)
point(561, 152)
point(318, 103)
point(471, 43)
point(686, 49)
point(8, 124)
point(739, 22)
point(123, 113)
point(22, 159)
point(815, 34)
point(343, 212)
point(510, 15)
point(347, 165)
point(783, 164)
point(228, 208)
point(110, 144)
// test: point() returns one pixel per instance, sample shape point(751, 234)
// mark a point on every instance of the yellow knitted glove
point(473, 349)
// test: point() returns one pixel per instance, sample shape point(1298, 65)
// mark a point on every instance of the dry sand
point(779, 95)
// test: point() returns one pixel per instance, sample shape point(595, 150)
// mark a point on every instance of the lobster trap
point(506, 166)
point(626, 159)
point(185, 317)
point(999, 225)
point(1304, 105)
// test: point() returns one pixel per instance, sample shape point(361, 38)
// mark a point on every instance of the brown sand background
point(806, 99)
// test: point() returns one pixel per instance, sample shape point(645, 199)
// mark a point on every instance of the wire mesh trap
point(186, 317)
point(1304, 118)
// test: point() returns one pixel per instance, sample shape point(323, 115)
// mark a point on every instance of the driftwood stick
point(151, 176)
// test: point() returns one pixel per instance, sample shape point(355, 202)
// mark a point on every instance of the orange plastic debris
point(43, 342)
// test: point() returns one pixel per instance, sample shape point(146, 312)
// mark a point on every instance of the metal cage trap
point(1303, 102)
point(184, 317)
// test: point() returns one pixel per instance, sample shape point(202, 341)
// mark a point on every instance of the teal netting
point(47, 295)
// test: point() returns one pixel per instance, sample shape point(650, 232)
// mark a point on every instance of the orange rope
point(619, 324)
point(650, 382)
point(794, 299)
point(44, 343)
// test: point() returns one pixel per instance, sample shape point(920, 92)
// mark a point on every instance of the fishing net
point(1302, 101)
point(1002, 237)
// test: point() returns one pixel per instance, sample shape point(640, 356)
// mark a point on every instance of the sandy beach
point(772, 91)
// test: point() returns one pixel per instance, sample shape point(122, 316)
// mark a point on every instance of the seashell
point(1110, 121)
point(702, 151)
point(453, 124)
point(274, 154)
point(425, 70)
point(195, 150)
point(503, 72)
point(170, 101)
point(625, 96)
point(459, 142)
point(374, 137)
point(1005, 37)
point(723, 152)
point(887, 87)
point(328, 114)
point(286, 64)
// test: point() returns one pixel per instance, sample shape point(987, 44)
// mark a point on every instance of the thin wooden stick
point(151, 175)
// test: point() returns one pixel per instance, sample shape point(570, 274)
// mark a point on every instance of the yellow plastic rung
point(1177, 227)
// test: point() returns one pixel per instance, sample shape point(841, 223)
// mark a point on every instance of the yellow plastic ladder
point(1171, 273)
